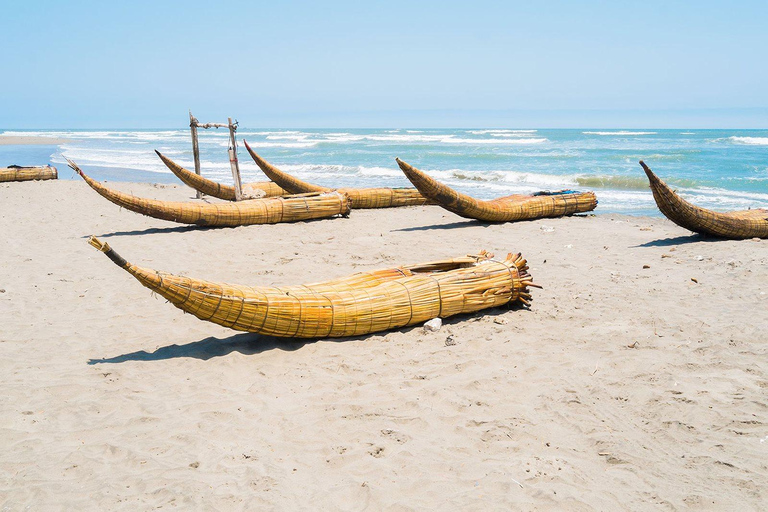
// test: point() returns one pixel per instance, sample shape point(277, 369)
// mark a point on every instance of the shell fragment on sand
point(734, 225)
point(504, 209)
point(19, 173)
point(362, 198)
point(254, 211)
point(358, 304)
point(211, 188)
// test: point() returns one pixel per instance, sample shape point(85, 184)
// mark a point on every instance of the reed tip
point(72, 165)
point(98, 244)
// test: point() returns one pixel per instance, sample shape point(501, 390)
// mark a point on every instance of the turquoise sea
point(718, 169)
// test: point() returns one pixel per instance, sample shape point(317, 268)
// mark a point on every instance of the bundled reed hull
point(362, 198)
point(211, 188)
point(504, 209)
point(734, 225)
point(18, 173)
point(254, 211)
point(359, 304)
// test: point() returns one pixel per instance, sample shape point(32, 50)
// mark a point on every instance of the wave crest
point(750, 141)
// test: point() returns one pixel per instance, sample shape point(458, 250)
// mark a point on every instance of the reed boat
point(362, 198)
point(503, 209)
point(243, 213)
point(358, 304)
point(734, 225)
point(19, 173)
point(211, 188)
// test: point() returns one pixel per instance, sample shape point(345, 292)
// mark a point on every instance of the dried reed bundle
point(361, 197)
point(18, 173)
point(208, 187)
point(734, 225)
point(255, 211)
point(359, 304)
point(503, 209)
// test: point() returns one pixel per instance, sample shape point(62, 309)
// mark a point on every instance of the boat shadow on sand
point(482, 223)
point(681, 240)
point(251, 344)
point(452, 225)
point(152, 231)
point(208, 348)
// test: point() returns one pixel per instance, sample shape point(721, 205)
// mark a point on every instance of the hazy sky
point(384, 64)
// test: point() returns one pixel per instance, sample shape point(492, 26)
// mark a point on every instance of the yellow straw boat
point(361, 197)
point(254, 211)
point(734, 225)
point(358, 304)
point(503, 209)
point(19, 173)
point(211, 188)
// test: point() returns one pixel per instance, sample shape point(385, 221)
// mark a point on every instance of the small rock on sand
point(433, 325)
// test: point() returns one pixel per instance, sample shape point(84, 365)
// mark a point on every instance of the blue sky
point(385, 64)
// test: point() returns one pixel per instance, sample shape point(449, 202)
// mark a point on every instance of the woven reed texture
point(362, 198)
point(734, 225)
point(359, 304)
point(503, 209)
point(18, 173)
point(211, 188)
point(254, 211)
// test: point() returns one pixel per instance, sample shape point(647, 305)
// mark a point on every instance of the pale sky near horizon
point(385, 64)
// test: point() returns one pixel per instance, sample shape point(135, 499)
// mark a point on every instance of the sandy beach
point(623, 387)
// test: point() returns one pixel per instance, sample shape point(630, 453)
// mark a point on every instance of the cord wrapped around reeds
point(211, 188)
point(503, 209)
point(358, 304)
point(734, 225)
point(362, 198)
point(19, 173)
point(243, 213)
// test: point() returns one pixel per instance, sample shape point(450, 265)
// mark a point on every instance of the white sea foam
point(284, 136)
point(260, 133)
point(750, 141)
point(380, 171)
point(394, 137)
point(499, 132)
point(503, 179)
point(619, 133)
point(258, 144)
point(112, 158)
point(495, 141)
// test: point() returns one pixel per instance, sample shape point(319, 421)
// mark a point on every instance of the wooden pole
point(233, 160)
point(195, 149)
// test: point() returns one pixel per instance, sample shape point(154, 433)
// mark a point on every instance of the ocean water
point(718, 169)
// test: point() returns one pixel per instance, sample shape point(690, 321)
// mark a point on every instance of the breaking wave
point(619, 133)
point(750, 141)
